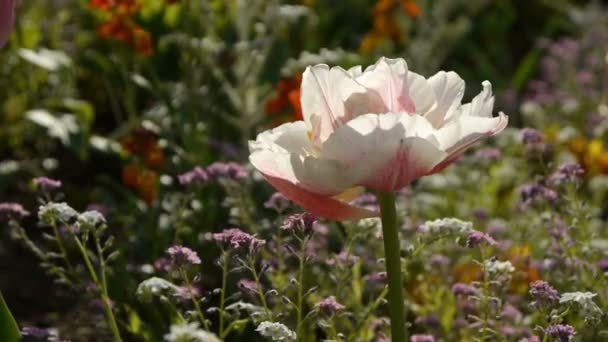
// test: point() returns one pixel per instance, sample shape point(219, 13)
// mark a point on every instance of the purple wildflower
point(367, 201)
point(561, 332)
point(300, 224)
point(510, 312)
point(603, 265)
point(531, 136)
point(248, 286)
point(460, 289)
point(422, 338)
point(536, 193)
point(37, 333)
point(278, 202)
point(198, 174)
point(439, 260)
point(162, 264)
point(182, 256)
point(481, 214)
point(329, 306)
point(46, 184)
point(185, 293)
point(238, 239)
point(343, 258)
point(430, 320)
point(566, 173)
point(477, 238)
point(530, 339)
point(377, 278)
point(229, 170)
point(10, 210)
point(489, 154)
point(226, 149)
point(543, 294)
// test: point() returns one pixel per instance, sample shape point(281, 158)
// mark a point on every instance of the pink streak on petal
point(319, 205)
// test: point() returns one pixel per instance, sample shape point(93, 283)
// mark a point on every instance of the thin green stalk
point(300, 288)
point(197, 306)
point(223, 294)
point(393, 265)
point(104, 296)
point(258, 284)
point(62, 249)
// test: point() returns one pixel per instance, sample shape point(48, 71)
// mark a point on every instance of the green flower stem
point(260, 291)
point(101, 285)
point(393, 265)
point(197, 306)
point(301, 289)
point(225, 262)
point(64, 253)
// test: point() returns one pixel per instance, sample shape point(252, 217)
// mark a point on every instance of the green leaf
point(9, 331)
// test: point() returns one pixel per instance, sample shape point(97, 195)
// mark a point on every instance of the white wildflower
point(190, 332)
point(91, 218)
point(276, 331)
point(292, 13)
point(50, 212)
point(499, 267)
point(155, 287)
point(448, 225)
point(583, 302)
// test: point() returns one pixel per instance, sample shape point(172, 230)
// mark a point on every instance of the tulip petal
point(384, 152)
point(401, 90)
point(331, 97)
point(285, 152)
point(388, 77)
point(449, 89)
point(319, 205)
point(457, 136)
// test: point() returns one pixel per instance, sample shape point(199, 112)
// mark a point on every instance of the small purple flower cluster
point(46, 184)
point(535, 193)
point(301, 224)
point(183, 256)
point(329, 306)
point(422, 338)
point(229, 170)
point(237, 239)
point(567, 173)
point(488, 154)
point(561, 332)
point(465, 290)
point(11, 210)
point(218, 170)
point(531, 136)
point(198, 174)
point(544, 295)
point(477, 238)
point(278, 202)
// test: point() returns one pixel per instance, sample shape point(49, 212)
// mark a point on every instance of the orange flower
point(287, 99)
point(116, 29)
point(385, 23)
point(519, 256)
point(142, 180)
point(130, 175)
point(122, 7)
point(411, 8)
point(121, 26)
point(144, 144)
point(142, 42)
